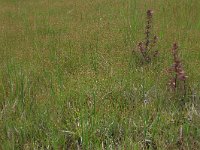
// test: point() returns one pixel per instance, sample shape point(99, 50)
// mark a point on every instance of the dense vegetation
point(72, 75)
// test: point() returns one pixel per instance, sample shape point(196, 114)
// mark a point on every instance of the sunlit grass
point(69, 79)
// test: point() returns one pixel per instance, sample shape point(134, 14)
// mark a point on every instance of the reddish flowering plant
point(146, 48)
point(177, 72)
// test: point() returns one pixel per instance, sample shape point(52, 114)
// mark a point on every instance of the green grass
point(69, 80)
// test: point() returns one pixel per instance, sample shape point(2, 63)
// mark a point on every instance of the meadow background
point(69, 78)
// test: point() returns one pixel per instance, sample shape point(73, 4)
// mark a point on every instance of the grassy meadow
point(71, 77)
